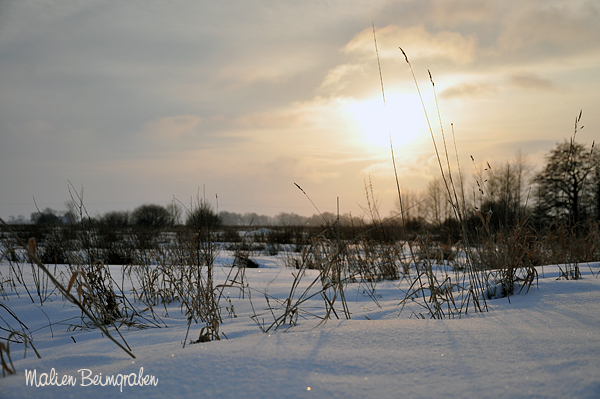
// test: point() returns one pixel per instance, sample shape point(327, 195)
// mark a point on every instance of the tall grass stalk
point(477, 284)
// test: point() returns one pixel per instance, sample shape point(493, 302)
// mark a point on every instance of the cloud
point(267, 120)
point(305, 168)
point(469, 90)
point(552, 31)
point(270, 67)
point(338, 78)
point(527, 146)
point(529, 81)
point(486, 35)
point(441, 13)
point(417, 42)
point(173, 127)
point(181, 133)
point(459, 12)
point(382, 169)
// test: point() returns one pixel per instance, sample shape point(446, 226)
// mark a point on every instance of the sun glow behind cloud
point(399, 119)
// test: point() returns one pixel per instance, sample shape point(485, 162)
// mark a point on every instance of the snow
point(545, 343)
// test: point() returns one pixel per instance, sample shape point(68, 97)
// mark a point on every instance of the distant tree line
point(158, 216)
point(285, 219)
point(566, 190)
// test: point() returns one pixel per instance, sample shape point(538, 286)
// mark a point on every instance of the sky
point(235, 101)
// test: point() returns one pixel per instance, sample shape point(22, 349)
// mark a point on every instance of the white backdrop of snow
point(543, 344)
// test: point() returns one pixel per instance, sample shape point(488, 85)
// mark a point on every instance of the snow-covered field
point(545, 344)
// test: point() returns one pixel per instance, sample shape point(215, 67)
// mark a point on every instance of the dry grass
point(14, 337)
point(64, 291)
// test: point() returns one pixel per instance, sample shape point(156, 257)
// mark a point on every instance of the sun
point(401, 118)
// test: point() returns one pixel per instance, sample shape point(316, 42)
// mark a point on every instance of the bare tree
point(437, 207)
point(566, 187)
point(175, 212)
point(506, 192)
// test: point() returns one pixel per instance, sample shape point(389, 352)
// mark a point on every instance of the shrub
point(203, 218)
point(115, 218)
point(150, 215)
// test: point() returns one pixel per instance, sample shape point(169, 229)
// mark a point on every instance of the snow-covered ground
point(545, 344)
